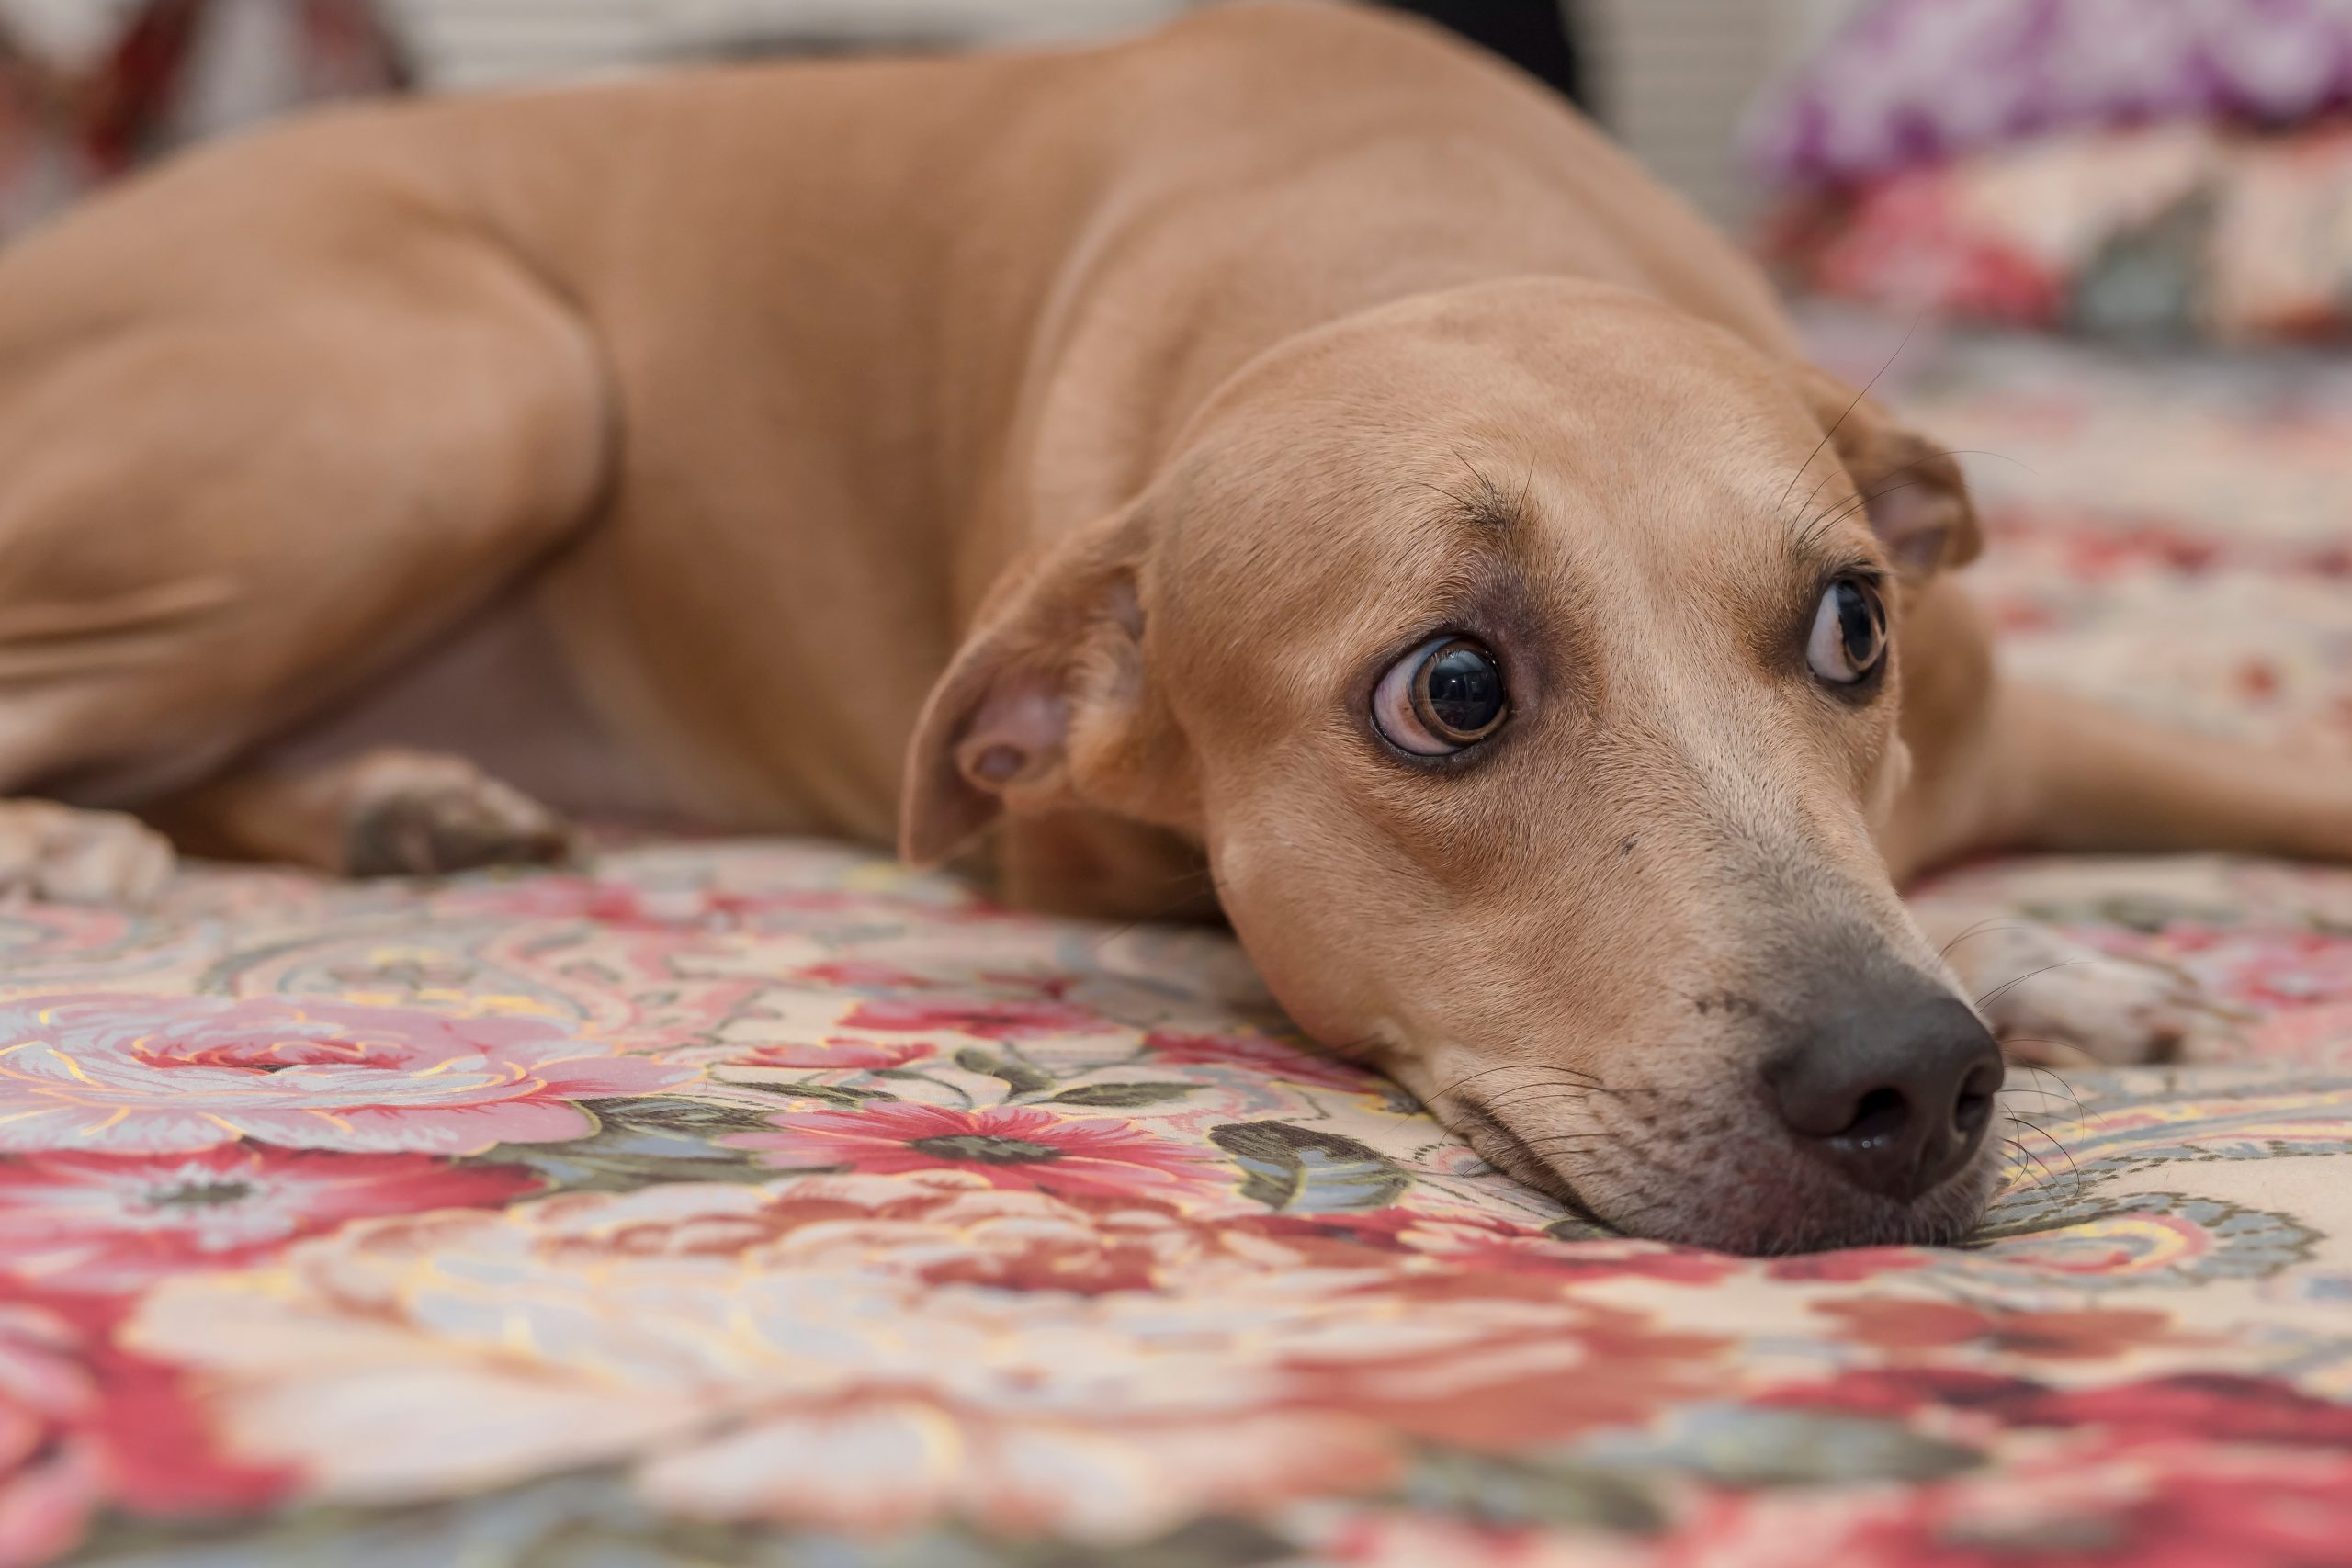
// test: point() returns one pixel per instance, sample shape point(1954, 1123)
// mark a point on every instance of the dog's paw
point(62, 856)
point(409, 814)
point(2054, 1001)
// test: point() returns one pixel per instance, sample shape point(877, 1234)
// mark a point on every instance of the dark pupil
point(1858, 625)
point(1465, 691)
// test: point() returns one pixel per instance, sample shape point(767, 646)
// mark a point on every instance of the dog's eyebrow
point(1494, 511)
point(1481, 506)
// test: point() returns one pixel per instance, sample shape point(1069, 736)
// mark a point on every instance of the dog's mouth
point(1701, 1180)
point(1503, 1146)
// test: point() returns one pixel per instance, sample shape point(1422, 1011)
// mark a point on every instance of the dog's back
point(742, 368)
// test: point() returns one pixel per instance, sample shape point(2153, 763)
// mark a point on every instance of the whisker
point(1458, 1084)
point(2023, 1152)
point(1350, 1051)
point(1815, 527)
point(1820, 526)
point(1815, 493)
point(1813, 530)
point(1990, 922)
point(1565, 1093)
point(1562, 1141)
point(1997, 991)
point(2054, 1144)
point(1463, 502)
point(1830, 434)
point(2080, 1113)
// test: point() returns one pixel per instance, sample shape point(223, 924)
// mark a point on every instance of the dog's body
point(1089, 419)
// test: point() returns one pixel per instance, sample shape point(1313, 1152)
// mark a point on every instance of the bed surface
point(762, 1204)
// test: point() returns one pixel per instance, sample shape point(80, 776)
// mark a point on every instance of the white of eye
point(1849, 635)
point(1444, 697)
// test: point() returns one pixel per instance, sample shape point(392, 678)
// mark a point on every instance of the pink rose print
point(2060, 1333)
point(626, 907)
point(2213, 1407)
point(1006, 1145)
point(115, 1223)
point(849, 972)
point(1260, 1054)
point(2185, 1507)
point(834, 1055)
point(2179, 1410)
point(85, 1425)
point(1498, 1247)
point(1852, 1266)
point(156, 1075)
point(982, 1020)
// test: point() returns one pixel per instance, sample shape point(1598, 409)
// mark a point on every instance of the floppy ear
point(1917, 500)
point(1046, 707)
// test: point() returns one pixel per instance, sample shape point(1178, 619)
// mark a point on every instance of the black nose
point(1897, 1096)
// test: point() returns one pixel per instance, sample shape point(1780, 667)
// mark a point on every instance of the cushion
point(1906, 81)
point(2170, 232)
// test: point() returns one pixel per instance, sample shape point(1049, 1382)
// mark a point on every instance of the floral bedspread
point(764, 1204)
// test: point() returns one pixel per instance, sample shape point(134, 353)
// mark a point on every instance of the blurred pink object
point(182, 70)
point(2176, 232)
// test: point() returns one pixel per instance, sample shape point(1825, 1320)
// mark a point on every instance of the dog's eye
point(1444, 695)
point(1849, 632)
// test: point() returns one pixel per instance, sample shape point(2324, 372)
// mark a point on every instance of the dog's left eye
point(1442, 697)
point(1849, 632)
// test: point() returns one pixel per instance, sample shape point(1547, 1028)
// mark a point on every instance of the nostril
point(1895, 1098)
point(1974, 1106)
point(1880, 1114)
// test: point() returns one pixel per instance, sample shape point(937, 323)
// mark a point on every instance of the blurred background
point(2132, 170)
point(1672, 76)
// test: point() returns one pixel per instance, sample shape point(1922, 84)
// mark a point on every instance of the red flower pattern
point(90, 1222)
point(1262, 1055)
point(982, 1020)
point(834, 1055)
point(2060, 1334)
point(86, 1425)
point(1009, 1146)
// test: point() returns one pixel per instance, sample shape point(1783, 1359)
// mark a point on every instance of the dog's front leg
point(382, 813)
point(59, 854)
point(2052, 771)
point(2055, 1000)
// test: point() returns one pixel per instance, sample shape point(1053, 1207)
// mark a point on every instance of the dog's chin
point(1795, 1205)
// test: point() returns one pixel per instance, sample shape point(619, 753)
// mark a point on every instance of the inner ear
point(1918, 503)
point(1911, 489)
point(1043, 708)
point(995, 732)
point(1015, 732)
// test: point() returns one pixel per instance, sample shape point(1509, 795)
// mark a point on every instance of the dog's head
point(1525, 659)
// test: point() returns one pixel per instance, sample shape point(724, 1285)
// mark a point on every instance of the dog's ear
point(1046, 706)
point(1917, 500)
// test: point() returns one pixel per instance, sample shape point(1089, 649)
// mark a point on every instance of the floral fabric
point(763, 1204)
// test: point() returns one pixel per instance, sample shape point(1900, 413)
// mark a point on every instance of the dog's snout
point(1897, 1097)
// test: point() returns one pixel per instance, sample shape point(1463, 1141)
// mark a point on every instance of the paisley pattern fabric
point(766, 1205)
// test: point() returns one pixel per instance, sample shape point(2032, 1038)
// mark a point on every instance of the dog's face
point(1524, 659)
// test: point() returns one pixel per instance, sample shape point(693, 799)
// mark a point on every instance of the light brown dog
point(1291, 447)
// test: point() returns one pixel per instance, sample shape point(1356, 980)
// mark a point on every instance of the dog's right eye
point(1443, 696)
